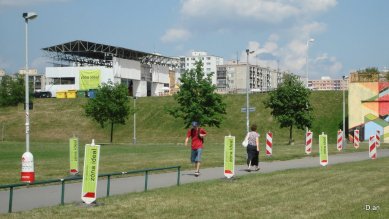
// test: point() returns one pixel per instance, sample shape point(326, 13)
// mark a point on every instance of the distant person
point(197, 135)
point(253, 149)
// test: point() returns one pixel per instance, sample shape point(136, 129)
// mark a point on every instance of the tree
point(290, 105)
point(197, 100)
point(109, 106)
point(11, 91)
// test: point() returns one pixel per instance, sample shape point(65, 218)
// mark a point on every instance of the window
point(208, 58)
point(67, 80)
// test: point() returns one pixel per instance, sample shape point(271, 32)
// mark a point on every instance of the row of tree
point(198, 101)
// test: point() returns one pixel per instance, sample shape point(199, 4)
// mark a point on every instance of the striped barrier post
point(269, 144)
point(339, 144)
point(356, 138)
point(378, 139)
point(372, 147)
point(308, 142)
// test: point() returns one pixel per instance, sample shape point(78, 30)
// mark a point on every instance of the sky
point(348, 35)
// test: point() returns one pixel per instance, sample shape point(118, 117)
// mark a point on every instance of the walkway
point(43, 196)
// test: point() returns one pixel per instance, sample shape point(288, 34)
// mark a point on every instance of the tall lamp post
point(134, 139)
point(344, 113)
point(306, 60)
point(27, 174)
point(248, 52)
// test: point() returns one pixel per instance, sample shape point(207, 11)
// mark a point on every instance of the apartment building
point(210, 62)
point(326, 83)
point(232, 78)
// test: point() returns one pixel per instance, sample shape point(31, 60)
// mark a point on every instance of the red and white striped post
point(378, 139)
point(308, 142)
point(356, 138)
point(339, 144)
point(372, 147)
point(269, 143)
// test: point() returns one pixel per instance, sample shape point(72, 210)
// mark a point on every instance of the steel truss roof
point(89, 53)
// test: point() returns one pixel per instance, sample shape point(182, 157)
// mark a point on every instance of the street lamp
point(27, 174)
point(306, 61)
point(134, 139)
point(344, 113)
point(248, 52)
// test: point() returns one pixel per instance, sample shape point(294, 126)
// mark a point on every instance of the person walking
point(197, 135)
point(253, 148)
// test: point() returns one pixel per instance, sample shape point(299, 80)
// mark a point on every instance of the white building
point(90, 64)
point(210, 63)
point(232, 78)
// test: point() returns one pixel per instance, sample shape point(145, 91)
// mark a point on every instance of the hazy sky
point(349, 34)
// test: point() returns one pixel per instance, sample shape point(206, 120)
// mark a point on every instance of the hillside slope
point(55, 120)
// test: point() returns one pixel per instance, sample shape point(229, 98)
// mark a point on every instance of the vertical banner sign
point(323, 148)
point(356, 138)
point(378, 139)
point(269, 144)
point(372, 147)
point(73, 155)
point(308, 142)
point(89, 79)
point(91, 172)
point(229, 156)
point(339, 144)
point(27, 174)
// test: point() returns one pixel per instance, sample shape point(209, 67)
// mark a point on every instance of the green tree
point(197, 100)
point(11, 91)
point(369, 70)
point(109, 106)
point(290, 105)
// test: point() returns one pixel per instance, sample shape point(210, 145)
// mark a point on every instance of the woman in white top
point(253, 149)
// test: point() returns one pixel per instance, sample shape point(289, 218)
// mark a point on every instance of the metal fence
point(73, 178)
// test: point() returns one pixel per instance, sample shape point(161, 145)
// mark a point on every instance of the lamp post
point(344, 114)
point(134, 139)
point(27, 174)
point(248, 52)
point(306, 61)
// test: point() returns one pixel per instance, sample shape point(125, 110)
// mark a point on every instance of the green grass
point(339, 191)
point(55, 120)
point(51, 160)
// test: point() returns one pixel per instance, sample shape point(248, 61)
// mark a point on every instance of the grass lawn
point(339, 191)
point(51, 160)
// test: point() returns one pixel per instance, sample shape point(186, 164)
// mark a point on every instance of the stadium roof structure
point(88, 54)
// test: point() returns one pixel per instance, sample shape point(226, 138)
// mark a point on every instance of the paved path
point(43, 196)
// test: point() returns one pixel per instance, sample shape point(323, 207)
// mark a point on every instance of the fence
point(108, 175)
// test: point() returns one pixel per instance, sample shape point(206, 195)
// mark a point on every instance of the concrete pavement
point(27, 198)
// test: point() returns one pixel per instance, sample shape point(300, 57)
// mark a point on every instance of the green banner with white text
point(90, 174)
point(90, 79)
point(73, 155)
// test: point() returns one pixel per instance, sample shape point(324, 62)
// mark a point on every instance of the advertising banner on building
point(323, 148)
point(73, 155)
point(91, 172)
point(90, 79)
point(229, 156)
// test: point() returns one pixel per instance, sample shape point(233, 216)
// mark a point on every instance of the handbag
point(245, 142)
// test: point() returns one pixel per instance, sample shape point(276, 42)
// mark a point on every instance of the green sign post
point(229, 156)
point(73, 155)
point(91, 173)
point(323, 148)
